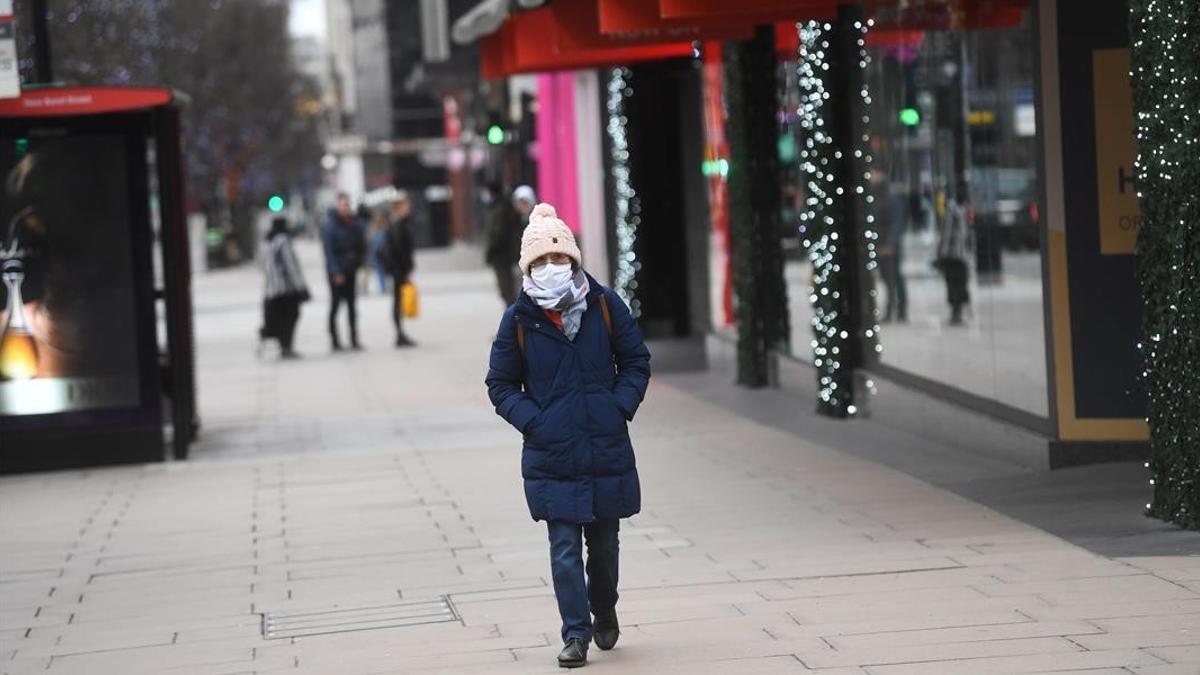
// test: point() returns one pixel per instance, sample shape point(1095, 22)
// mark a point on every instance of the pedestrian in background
point(503, 236)
point(954, 249)
point(892, 227)
point(523, 199)
point(285, 289)
point(397, 256)
point(343, 240)
point(568, 370)
point(376, 236)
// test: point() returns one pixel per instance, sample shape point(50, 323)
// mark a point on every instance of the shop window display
point(958, 286)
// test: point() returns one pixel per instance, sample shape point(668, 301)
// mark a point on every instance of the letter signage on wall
point(1116, 151)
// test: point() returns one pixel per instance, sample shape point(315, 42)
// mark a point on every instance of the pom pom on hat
point(547, 234)
point(543, 210)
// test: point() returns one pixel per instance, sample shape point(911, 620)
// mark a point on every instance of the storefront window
point(958, 289)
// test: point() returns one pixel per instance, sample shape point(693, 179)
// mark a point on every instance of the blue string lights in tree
point(628, 208)
point(838, 194)
point(1166, 97)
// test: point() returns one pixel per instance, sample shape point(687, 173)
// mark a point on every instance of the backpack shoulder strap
point(607, 315)
point(521, 340)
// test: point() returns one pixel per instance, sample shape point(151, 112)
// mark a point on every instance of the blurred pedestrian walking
point(343, 239)
point(503, 236)
point(396, 255)
point(376, 237)
point(569, 369)
point(954, 249)
point(285, 289)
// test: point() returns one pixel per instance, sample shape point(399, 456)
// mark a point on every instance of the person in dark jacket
point(503, 232)
point(284, 291)
point(569, 369)
point(953, 252)
point(344, 239)
point(399, 260)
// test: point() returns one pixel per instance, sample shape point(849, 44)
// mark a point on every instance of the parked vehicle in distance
point(1006, 198)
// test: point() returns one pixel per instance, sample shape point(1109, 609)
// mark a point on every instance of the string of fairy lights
point(628, 208)
point(863, 187)
point(824, 234)
point(1166, 88)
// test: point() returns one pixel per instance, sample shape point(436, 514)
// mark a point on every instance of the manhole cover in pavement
point(277, 625)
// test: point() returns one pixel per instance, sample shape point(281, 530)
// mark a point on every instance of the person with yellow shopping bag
point(410, 301)
point(396, 256)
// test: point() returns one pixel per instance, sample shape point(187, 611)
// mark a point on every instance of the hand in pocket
point(534, 433)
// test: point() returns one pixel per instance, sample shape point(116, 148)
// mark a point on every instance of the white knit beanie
point(547, 234)
point(524, 193)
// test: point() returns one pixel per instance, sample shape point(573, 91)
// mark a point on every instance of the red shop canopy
point(947, 15)
point(754, 11)
point(896, 38)
point(642, 17)
point(578, 27)
point(916, 14)
point(573, 34)
point(530, 42)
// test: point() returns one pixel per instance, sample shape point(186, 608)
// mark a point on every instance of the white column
point(590, 172)
point(351, 176)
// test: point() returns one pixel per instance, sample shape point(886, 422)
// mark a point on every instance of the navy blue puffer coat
point(571, 400)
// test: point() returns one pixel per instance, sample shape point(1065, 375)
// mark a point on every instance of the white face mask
point(551, 275)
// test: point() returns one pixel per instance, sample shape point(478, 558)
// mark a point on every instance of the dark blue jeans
point(579, 597)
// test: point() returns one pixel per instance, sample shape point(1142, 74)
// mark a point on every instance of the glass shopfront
point(958, 287)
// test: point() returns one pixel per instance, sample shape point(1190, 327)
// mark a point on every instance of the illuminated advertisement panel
point(77, 315)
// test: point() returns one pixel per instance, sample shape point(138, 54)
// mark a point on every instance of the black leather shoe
point(605, 629)
point(573, 654)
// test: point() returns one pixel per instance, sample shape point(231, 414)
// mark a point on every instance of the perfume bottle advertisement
point(68, 334)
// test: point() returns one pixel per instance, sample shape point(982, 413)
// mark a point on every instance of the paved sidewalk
point(361, 491)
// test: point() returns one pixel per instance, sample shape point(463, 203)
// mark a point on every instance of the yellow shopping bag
point(410, 301)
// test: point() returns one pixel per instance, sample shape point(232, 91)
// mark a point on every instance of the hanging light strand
point(628, 207)
point(821, 230)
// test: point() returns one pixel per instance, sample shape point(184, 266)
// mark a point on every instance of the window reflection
point(958, 289)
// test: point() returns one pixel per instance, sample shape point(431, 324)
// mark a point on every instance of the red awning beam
point(59, 101)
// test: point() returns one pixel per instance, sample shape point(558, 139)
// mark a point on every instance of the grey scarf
point(570, 299)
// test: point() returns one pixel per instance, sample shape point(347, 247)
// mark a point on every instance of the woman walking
point(568, 370)
point(377, 234)
point(285, 289)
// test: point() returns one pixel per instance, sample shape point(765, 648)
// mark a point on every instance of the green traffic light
point(910, 117)
point(495, 134)
point(715, 167)
point(22, 146)
point(275, 203)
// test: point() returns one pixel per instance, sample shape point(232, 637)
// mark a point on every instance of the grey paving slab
point(1034, 663)
point(935, 653)
point(1177, 654)
point(1079, 631)
point(23, 666)
point(1174, 669)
